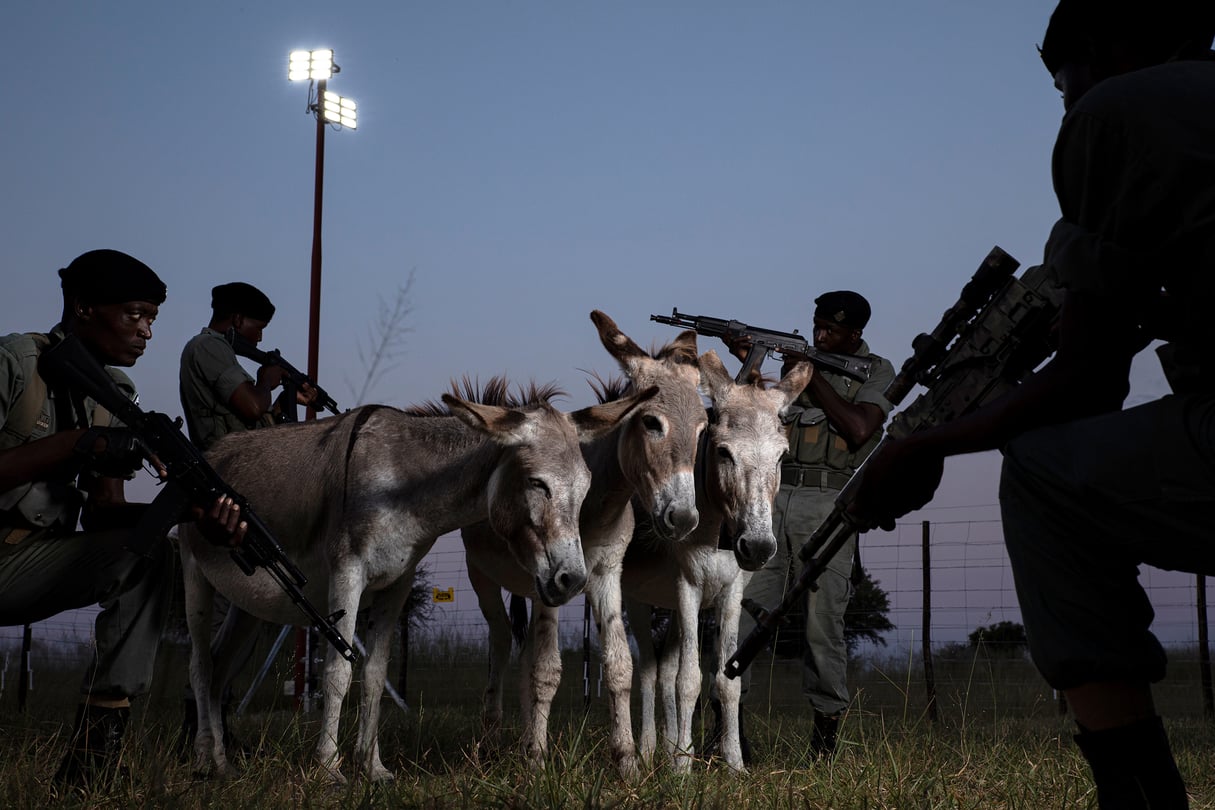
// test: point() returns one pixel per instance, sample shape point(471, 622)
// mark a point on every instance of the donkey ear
point(618, 344)
point(713, 376)
point(501, 424)
point(791, 384)
point(597, 420)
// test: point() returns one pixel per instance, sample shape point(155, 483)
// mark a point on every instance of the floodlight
point(311, 65)
point(339, 110)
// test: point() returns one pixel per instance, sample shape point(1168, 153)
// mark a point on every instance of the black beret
point(843, 307)
point(239, 298)
point(111, 277)
point(1155, 31)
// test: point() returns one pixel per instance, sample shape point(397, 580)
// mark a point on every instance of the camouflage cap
point(241, 298)
point(111, 277)
point(843, 307)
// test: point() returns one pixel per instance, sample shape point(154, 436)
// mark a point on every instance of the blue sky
point(529, 162)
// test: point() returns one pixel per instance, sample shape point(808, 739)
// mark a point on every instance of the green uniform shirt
point(814, 441)
point(53, 501)
point(210, 374)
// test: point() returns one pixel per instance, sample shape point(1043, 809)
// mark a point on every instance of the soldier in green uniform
point(63, 462)
point(219, 397)
point(1090, 491)
point(833, 426)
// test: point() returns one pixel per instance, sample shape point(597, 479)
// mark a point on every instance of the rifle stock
point(993, 337)
point(191, 481)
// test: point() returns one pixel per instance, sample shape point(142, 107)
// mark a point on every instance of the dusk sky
point(529, 162)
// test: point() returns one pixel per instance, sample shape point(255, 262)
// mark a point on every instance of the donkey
point(737, 475)
point(650, 457)
point(357, 500)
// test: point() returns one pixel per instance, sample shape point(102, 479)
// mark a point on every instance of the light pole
point(316, 67)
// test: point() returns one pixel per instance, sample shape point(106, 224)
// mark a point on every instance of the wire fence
point(971, 587)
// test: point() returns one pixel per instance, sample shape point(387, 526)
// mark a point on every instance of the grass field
point(999, 742)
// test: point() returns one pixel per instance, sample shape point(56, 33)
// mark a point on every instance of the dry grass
point(999, 743)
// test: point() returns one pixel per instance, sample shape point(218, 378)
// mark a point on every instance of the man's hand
point(114, 452)
point(306, 395)
point(900, 477)
point(221, 524)
point(739, 345)
point(270, 376)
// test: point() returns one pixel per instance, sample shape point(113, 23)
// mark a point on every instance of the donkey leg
point(603, 590)
point(489, 598)
point(229, 651)
point(382, 618)
point(540, 680)
point(346, 585)
point(200, 597)
point(689, 672)
point(647, 676)
point(729, 690)
point(668, 672)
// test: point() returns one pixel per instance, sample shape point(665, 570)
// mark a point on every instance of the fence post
point(403, 672)
point(1204, 649)
point(586, 653)
point(301, 669)
point(26, 676)
point(926, 621)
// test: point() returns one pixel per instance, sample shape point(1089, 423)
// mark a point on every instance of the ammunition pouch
point(40, 505)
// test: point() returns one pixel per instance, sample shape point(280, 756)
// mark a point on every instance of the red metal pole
point(303, 655)
point(314, 312)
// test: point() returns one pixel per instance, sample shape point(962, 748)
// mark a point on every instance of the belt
point(795, 475)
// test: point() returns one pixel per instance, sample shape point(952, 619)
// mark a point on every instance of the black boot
point(233, 745)
point(1133, 767)
point(96, 746)
point(822, 740)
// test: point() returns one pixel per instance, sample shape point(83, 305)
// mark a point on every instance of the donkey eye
point(652, 423)
point(724, 454)
point(536, 483)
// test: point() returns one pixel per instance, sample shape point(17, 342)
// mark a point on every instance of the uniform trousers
point(797, 512)
point(48, 573)
point(1084, 504)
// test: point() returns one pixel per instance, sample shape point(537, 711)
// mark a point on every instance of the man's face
point(835, 337)
point(119, 333)
point(249, 328)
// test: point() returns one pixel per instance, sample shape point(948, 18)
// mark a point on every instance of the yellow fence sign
point(448, 595)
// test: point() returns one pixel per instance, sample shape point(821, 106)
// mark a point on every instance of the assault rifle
point(768, 341)
point(294, 379)
point(996, 334)
point(191, 481)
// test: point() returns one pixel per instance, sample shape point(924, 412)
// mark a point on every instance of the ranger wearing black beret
point(219, 397)
point(63, 463)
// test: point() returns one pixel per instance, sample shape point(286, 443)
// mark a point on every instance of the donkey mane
point(678, 351)
point(496, 391)
point(610, 390)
